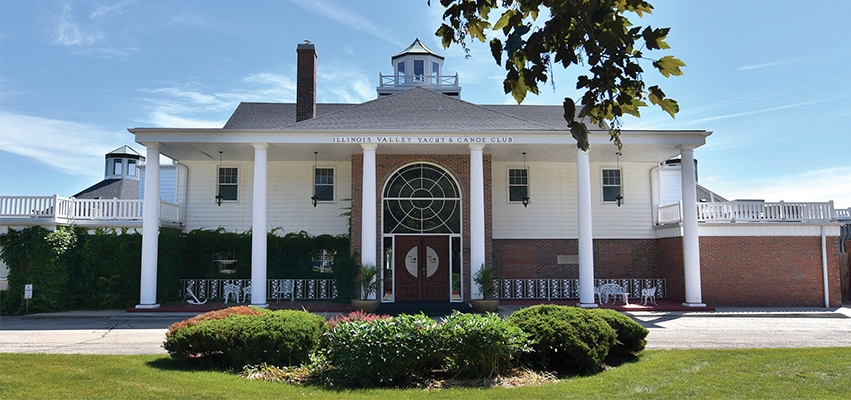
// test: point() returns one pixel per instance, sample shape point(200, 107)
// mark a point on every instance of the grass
point(822, 373)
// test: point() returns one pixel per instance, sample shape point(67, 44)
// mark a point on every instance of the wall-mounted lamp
point(525, 199)
point(219, 197)
point(313, 198)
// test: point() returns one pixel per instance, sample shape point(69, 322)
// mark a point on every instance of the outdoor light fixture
point(314, 199)
point(619, 197)
point(525, 198)
point(218, 176)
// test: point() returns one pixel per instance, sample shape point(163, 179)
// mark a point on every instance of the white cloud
point(67, 146)
point(70, 32)
point(818, 185)
point(347, 17)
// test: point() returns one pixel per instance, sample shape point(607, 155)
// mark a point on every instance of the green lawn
point(762, 373)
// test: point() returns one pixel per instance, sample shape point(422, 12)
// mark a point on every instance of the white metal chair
point(284, 288)
point(232, 289)
point(598, 295)
point(246, 293)
point(648, 294)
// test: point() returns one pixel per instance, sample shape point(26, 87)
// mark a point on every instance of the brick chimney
point(306, 82)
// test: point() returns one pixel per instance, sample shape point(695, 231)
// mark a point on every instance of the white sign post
point(28, 294)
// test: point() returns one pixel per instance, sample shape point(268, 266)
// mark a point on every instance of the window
point(131, 167)
point(612, 186)
point(323, 184)
point(435, 69)
point(400, 71)
point(419, 70)
point(228, 183)
point(422, 198)
point(117, 167)
point(518, 184)
point(323, 261)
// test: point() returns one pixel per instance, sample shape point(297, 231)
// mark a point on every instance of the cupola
point(418, 65)
point(123, 163)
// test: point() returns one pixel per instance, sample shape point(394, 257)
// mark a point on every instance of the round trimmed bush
point(566, 339)
point(631, 336)
point(284, 337)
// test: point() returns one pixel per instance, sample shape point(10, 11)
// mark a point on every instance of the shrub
point(217, 314)
point(481, 346)
point(285, 337)
point(357, 315)
point(630, 334)
point(381, 352)
point(567, 339)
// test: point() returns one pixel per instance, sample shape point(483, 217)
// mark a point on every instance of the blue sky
point(770, 78)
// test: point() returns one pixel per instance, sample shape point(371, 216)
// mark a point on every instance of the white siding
point(552, 209)
point(168, 183)
point(290, 187)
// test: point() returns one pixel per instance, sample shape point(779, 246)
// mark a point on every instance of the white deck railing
point(418, 80)
point(69, 210)
point(752, 211)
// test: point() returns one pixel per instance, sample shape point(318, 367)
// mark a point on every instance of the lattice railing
point(555, 289)
point(303, 289)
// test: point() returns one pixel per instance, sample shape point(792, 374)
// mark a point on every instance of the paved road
point(128, 333)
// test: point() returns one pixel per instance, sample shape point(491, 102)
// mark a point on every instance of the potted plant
point(368, 283)
point(485, 280)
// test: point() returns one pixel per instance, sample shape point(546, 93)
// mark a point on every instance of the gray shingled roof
point(272, 115)
point(416, 109)
point(127, 189)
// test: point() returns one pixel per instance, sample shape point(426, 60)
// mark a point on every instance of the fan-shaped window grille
point(422, 198)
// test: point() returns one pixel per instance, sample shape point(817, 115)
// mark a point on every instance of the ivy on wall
point(73, 268)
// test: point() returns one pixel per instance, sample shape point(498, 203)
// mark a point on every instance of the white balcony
point(56, 210)
point(754, 212)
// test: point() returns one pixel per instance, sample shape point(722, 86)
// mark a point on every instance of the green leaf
point(504, 20)
point(669, 65)
point(496, 50)
point(569, 109)
point(657, 97)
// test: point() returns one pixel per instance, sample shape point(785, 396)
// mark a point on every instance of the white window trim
point(603, 186)
point(333, 185)
point(237, 184)
point(508, 185)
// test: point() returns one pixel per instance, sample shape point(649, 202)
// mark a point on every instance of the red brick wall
point(670, 267)
point(538, 258)
point(457, 164)
point(767, 271)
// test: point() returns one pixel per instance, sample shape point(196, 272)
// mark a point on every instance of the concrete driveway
point(119, 332)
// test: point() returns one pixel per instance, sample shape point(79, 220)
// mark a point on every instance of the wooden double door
point(422, 268)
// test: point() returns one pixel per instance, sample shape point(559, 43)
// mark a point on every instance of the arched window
point(422, 198)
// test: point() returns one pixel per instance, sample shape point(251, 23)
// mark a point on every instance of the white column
point(258, 226)
point(586, 233)
point(150, 228)
point(368, 205)
point(691, 237)
point(477, 213)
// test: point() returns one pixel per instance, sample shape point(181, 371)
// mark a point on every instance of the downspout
point(181, 193)
point(824, 268)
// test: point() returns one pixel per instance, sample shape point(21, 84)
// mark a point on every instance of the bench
point(615, 292)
